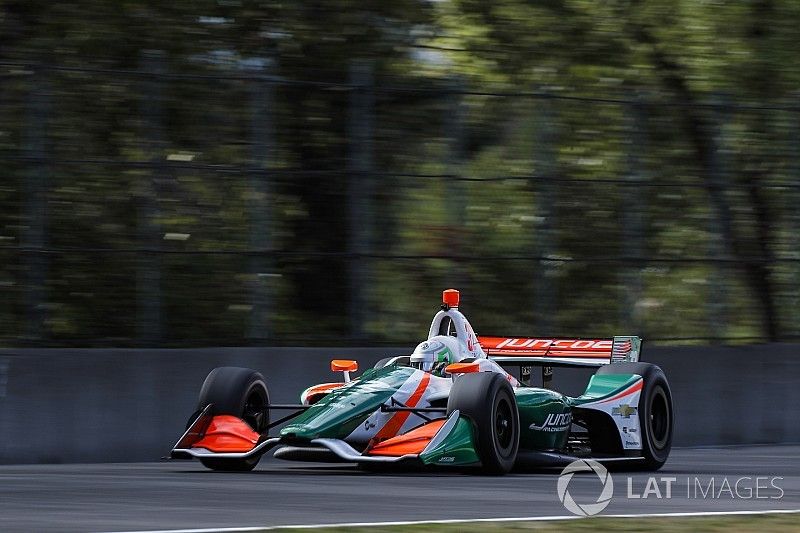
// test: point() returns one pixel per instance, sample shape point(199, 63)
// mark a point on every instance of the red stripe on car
point(394, 424)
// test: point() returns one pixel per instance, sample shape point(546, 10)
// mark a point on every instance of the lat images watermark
point(591, 508)
point(660, 488)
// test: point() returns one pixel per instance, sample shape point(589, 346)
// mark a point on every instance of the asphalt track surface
point(176, 495)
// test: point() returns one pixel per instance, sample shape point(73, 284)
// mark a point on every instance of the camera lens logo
point(585, 509)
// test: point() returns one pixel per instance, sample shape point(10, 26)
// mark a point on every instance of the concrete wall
point(79, 405)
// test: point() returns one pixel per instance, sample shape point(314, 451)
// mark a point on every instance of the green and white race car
point(451, 403)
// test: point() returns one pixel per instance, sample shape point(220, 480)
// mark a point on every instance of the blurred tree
point(681, 50)
point(585, 59)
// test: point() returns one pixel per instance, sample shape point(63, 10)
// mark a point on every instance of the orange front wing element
point(227, 433)
point(412, 442)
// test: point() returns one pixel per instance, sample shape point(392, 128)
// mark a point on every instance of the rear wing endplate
point(562, 352)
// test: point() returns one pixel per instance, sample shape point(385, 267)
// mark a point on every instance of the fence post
point(545, 239)
point(455, 193)
point(719, 226)
point(36, 186)
point(360, 190)
point(148, 286)
point(260, 212)
point(633, 209)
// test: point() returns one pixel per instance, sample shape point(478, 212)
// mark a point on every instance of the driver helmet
point(434, 354)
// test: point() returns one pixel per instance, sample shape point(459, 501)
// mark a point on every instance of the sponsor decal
point(447, 459)
point(340, 405)
point(576, 344)
point(624, 410)
point(554, 423)
point(470, 338)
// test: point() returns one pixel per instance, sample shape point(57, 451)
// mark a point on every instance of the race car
point(450, 403)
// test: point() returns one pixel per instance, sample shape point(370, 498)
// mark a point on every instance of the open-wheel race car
point(450, 403)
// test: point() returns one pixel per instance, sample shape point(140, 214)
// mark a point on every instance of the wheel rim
point(659, 419)
point(255, 409)
point(504, 425)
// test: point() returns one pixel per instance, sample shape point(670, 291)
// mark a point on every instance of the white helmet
point(435, 353)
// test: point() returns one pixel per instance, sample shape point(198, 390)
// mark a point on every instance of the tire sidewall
point(479, 397)
point(653, 380)
point(228, 388)
point(507, 454)
point(654, 386)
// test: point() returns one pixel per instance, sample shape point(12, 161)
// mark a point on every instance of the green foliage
point(602, 108)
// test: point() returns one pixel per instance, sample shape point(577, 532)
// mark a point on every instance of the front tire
point(240, 392)
point(488, 400)
point(656, 416)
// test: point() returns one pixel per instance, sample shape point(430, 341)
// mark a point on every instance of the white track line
point(464, 521)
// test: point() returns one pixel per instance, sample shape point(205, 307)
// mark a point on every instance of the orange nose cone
point(450, 297)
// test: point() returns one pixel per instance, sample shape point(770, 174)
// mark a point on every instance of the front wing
point(445, 442)
point(220, 437)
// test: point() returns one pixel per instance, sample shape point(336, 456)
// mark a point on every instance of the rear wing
point(562, 352)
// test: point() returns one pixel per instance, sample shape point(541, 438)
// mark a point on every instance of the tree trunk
point(700, 131)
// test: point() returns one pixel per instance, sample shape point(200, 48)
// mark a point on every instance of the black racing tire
point(488, 400)
point(656, 415)
point(240, 392)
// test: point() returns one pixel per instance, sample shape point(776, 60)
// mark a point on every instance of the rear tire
point(656, 416)
point(488, 400)
point(240, 392)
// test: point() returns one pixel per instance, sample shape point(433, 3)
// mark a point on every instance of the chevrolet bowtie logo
point(625, 411)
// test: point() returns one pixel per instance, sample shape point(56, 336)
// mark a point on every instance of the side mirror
point(345, 366)
point(462, 368)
